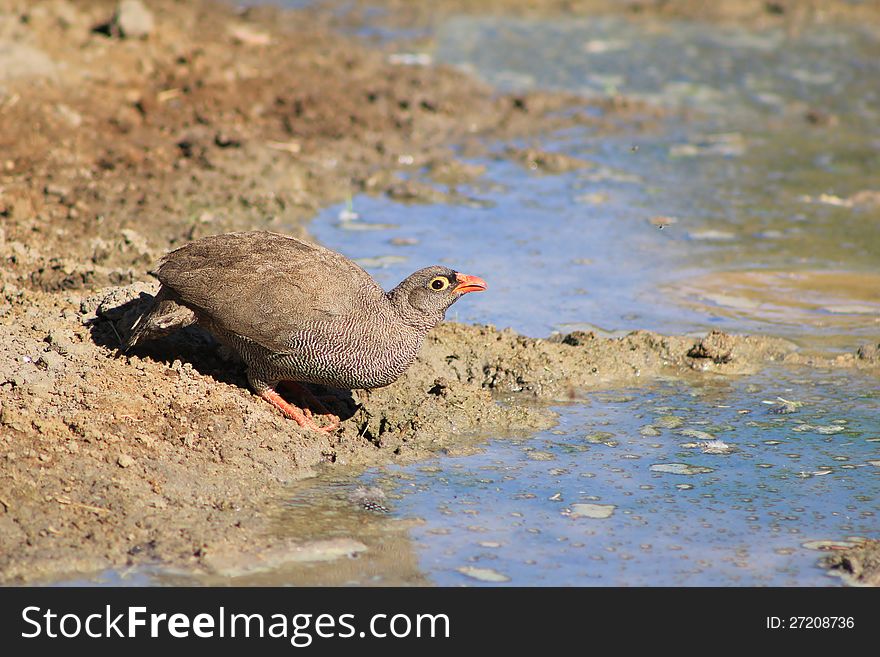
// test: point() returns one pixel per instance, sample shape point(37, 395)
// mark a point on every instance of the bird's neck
point(409, 315)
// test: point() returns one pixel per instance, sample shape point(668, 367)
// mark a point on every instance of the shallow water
point(624, 491)
point(678, 516)
point(755, 174)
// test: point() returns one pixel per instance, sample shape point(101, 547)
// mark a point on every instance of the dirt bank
point(124, 137)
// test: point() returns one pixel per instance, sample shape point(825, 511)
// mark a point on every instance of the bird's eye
point(439, 283)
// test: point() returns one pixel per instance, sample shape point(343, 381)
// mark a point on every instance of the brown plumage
point(298, 312)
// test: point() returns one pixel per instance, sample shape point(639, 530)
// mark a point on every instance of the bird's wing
point(267, 286)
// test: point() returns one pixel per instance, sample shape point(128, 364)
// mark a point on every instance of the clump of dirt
point(558, 367)
point(539, 160)
point(859, 565)
point(869, 353)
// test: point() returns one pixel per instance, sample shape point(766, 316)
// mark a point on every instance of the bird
point(296, 312)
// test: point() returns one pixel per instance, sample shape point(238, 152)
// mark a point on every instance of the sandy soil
point(116, 147)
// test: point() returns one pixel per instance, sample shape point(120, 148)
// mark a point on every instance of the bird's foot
point(311, 400)
point(302, 417)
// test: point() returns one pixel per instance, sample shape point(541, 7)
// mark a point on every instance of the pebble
point(410, 59)
point(19, 60)
point(669, 421)
point(596, 511)
point(134, 20)
point(124, 461)
point(483, 574)
point(50, 360)
point(716, 447)
point(827, 430)
point(248, 36)
point(827, 545)
point(72, 117)
point(710, 235)
point(696, 434)
point(680, 468)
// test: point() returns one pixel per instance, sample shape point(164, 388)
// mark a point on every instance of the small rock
point(595, 511)
point(73, 118)
point(696, 434)
point(784, 406)
point(859, 564)
point(483, 574)
point(133, 19)
point(124, 461)
point(717, 346)
point(828, 545)
point(669, 421)
point(19, 60)
point(578, 338)
point(716, 447)
point(248, 36)
point(680, 468)
point(136, 241)
point(50, 360)
point(548, 162)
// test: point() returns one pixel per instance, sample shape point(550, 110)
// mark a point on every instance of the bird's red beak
point(468, 284)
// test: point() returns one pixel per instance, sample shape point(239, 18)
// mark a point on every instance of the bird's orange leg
point(311, 400)
point(294, 413)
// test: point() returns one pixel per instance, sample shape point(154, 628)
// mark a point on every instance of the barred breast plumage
point(299, 312)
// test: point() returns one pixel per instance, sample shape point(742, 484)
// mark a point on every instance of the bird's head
point(423, 297)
